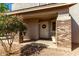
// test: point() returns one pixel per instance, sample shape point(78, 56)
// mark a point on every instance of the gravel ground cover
point(38, 49)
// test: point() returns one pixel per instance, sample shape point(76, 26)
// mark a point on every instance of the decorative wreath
point(43, 26)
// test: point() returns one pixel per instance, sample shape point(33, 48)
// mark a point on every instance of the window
point(53, 26)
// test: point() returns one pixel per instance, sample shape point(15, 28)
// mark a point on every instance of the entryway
point(47, 29)
point(44, 29)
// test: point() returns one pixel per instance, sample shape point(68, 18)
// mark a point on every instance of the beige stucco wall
point(74, 12)
point(17, 6)
point(32, 29)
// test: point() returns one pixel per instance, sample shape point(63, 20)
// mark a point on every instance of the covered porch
point(41, 28)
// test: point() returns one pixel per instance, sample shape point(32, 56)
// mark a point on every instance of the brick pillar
point(63, 33)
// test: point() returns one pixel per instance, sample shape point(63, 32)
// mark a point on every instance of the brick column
point(63, 31)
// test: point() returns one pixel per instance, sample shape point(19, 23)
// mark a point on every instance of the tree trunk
point(20, 37)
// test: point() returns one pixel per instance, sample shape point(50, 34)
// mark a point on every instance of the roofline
point(37, 8)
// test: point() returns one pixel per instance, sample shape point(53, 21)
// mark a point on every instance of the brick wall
point(64, 31)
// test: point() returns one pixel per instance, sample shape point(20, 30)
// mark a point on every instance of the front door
point(44, 29)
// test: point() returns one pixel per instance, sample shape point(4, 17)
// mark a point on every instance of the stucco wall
point(74, 12)
point(32, 29)
point(17, 6)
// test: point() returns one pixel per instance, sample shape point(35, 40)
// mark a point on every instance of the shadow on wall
point(75, 34)
point(32, 49)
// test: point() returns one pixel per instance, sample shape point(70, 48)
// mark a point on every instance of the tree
point(3, 8)
point(9, 26)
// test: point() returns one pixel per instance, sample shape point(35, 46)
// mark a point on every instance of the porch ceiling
point(41, 15)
